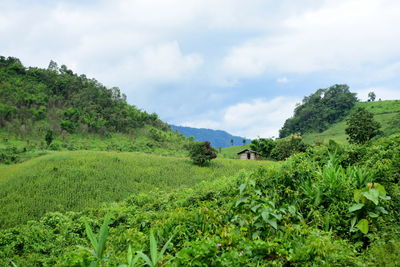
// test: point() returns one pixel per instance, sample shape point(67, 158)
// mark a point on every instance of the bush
point(202, 152)
point(287, 147)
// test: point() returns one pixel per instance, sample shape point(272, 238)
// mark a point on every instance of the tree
point(244, 141)
point(361, 126)
point(202, 153)
point(49, 137)
point(286, 147)
point(263, 146)
point(319, 110)
point(371, 96)
point(231, 142)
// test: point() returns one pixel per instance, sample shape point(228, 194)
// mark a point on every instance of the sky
point(239, 66)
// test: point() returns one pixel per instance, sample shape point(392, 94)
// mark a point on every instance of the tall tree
point(319, 110)
point(371, 96)
point(361, 126)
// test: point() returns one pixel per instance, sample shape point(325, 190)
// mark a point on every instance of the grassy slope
point(231, 152)
point(384, 112)
point(64, 181)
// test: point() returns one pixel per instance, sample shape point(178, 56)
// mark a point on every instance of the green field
point(231, 152)
point(384, 112)
point(72, 181)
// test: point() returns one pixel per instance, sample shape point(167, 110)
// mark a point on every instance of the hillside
point(386, 112)
point(217, 138)
point(231, 152)
point(318, 111)
point(72, 181)
point(57, 109)
point(315, 209)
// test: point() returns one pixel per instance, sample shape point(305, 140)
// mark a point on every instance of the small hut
point(247, 154)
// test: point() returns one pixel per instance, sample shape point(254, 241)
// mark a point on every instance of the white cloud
point(339, 37)
point(282, 80)
point(258, 117)
point(380, 92)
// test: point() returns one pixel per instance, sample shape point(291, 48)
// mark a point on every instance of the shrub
point(202, 152)
point(287, 147)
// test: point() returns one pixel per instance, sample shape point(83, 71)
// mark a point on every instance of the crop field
point(314, 209)
point(72, 181)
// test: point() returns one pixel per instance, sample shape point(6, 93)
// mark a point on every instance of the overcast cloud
point(238, 66)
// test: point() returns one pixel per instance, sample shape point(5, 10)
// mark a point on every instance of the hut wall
point(243, 156)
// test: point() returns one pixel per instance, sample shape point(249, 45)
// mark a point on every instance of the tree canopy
point(319, 110)
point(64, 101)
point(202, 153)
point(361, 126)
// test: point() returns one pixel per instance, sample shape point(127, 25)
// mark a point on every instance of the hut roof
point(246, 150)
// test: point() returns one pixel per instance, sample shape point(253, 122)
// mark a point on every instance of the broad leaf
point(273, 223)
point(242, 187)
point(380, 189)
point(373, 195)
point(362, 225)
point(357, 195)
point(355, 207)
point(373, 215)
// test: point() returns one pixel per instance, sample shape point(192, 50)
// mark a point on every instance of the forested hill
point(65, 101)
point(57, 109)
point(320, 110)
point(217, 138)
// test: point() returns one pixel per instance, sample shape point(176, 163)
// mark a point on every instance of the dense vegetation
point(66, 101)
point(328, 204)
point(320, 110)
point(331, 205)
point(279, 149)
point(387, 113)
point(76, 112)
point(202, 153)
point(72, 181)
point(361, 126)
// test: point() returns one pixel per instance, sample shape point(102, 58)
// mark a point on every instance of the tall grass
point(72, 181)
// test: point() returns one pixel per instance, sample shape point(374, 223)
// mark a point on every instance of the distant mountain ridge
point(217, 138)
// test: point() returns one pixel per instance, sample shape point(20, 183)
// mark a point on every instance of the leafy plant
point(202, 152)
point(132, 261)
point(255, 210)
point(156, 257)
point(367, 206)
point(362, 127)
point(98, 242)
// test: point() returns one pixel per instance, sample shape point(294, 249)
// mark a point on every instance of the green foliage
point(371, 96)
point(263, 146)
point(361, 126)
point(156, 258)
point(49, 137)
point(319, 110)
point(202, 153)
point(98, 242)
point(293, 213)
point(286, 147)
point(385, 112)
point(65, 101)
point(73, 181)
point(367, 206)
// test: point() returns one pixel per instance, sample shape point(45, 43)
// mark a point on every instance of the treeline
point(319, 110)
point(60, 100)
